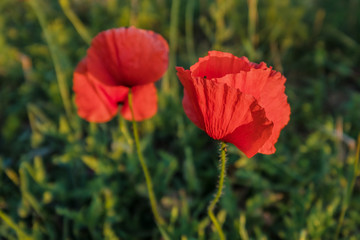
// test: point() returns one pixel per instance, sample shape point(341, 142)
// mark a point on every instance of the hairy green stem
point(219, 191)
point(153, 203)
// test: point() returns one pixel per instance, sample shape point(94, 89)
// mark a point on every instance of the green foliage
point(64, 178)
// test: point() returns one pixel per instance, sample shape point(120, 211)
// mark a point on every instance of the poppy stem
point(219, 191)
point(153, 203)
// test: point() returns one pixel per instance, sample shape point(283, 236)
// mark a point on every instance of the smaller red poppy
point(236, 101)
point(119, 59)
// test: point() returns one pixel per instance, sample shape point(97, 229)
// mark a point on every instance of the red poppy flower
point(119, 59)
point(236, 101)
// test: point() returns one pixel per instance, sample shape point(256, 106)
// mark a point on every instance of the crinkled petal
point(223, 108)
point(251, 82)
point(215, 107)
point(95, 102)
point(267, 86)
point(218, 64)
point(191, 106)
point(144, 103)
point(127, 57)
point(261, 65)
point(249, 138)
point(189, 110)
point(274, 100)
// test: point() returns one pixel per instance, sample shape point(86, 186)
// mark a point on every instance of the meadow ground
point(64, 178)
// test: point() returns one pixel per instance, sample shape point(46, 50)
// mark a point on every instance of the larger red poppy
point(119, 59)
point(236, 101)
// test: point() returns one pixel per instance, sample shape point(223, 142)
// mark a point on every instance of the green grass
point(64, 178)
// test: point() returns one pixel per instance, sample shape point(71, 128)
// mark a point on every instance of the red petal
point(191, 111)
point(214, 107)
point(144, 103)
point(274, 100)
point(267, 86)
point(191, 106)
point(127, 57)
point(251, 82)
point(249, 138)
point(218, 64)
point(261, 65)
point(95, 102)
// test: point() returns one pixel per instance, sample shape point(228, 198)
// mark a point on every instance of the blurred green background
point(64, 178)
